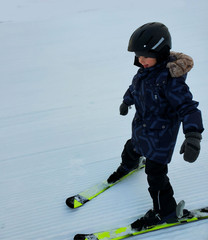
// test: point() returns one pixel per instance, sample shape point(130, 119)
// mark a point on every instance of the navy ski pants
point(160, 188)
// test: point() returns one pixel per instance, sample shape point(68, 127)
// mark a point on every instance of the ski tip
point(85, 237)
point(70, 202)
point(79, 237)
point(76, 201)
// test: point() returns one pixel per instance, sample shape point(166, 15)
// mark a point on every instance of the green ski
point(90, 193)
point(127, 231)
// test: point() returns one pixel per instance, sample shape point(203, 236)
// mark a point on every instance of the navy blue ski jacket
point(162, 103)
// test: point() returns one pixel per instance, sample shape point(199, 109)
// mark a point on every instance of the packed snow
point(64, 68)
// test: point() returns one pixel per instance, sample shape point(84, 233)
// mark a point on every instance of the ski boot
point(151, 218)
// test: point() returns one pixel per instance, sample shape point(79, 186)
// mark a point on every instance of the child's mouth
point(145, 66)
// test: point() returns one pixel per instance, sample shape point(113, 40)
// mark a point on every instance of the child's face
point(147, 62)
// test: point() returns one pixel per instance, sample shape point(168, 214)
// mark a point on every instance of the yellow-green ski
point(90, 193)
point(124, 232)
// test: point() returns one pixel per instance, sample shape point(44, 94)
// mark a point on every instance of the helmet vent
point(149, 40)
point(142, 32)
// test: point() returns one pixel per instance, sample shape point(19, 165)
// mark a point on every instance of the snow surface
point(64, 68)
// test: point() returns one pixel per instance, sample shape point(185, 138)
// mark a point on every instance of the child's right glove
point(123, 109)
point(191, 146)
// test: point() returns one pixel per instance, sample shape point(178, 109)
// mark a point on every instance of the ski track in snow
point(64, 70)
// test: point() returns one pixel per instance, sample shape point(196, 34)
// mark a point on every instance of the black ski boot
point(152, 218)
point(130, 161)
point(118, 174)
point(123, 170)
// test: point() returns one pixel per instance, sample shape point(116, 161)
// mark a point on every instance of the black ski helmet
point(151, 40)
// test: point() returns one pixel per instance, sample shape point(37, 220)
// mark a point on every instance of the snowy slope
point(64, 68)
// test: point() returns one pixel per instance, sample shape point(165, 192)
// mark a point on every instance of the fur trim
point(181, 65)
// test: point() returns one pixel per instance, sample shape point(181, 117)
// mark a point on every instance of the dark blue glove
point(191, 146)
point(124, 109)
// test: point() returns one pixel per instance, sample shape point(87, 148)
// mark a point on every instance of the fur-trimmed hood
point(181, 65)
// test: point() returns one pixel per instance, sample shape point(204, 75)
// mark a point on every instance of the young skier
point(162, 101)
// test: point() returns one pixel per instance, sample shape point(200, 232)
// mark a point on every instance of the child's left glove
point(191, 146)
point(124, 109)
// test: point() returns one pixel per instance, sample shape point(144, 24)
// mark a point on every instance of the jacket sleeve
point(128, 99)
point(181, 99)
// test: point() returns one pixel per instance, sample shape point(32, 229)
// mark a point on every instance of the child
point(162, 101)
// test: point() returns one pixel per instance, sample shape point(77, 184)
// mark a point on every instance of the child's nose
point(141, 59)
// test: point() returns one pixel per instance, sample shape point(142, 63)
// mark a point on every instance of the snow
point(64, 68)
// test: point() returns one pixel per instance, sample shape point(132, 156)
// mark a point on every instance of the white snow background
point(64, 67)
